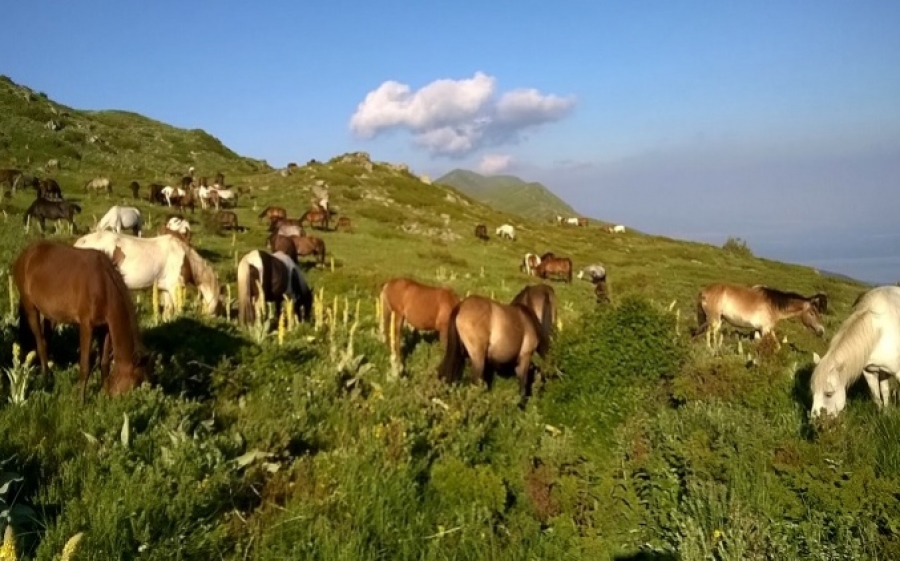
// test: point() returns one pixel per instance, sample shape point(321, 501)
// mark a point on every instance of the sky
point(776, 122)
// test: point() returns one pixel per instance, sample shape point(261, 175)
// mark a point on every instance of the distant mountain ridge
point(509, 193)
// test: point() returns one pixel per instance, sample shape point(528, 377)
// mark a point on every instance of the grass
point(638, 441)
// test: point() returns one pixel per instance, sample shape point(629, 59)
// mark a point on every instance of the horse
point(529, 263)
point(279, 276)
point(285, 245)
point(573, 221)
point(506, 231)
point(583, 222)
point(541, 298)
point(343, 223)
point(156, 194)
point(170, 194)
point(594, 273)
point(98, 184)
point(219, 179)
point(10, 177)
point(865, 345)
point(176, 226)
point(42, 209)
point(134, 187)
point(617, 229)
point(47, 188)
point(759, 307)
point(272, 213)
point(556, 266)
point(481, 232)
point(118, 218)
point(494, 336)
point(310, 245)
point(165, 261)
point(227, 220)
point(87, 290)
point(286, 227)
point(315, 216)
point(220, 195)
point(423, 307)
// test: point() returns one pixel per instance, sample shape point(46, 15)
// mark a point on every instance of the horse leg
point(34, 323)
point(885, 391)
point(874, 387)
point(478, 359)
point(86, 332)
point(525, 374)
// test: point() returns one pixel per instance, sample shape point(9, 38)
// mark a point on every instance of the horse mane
point(849, 350)
point(779, 298)
point(118, 282)
point(543, 336)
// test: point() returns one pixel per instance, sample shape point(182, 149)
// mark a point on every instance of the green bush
point(737, 246)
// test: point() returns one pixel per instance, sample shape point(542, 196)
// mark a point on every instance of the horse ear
point(816, 358)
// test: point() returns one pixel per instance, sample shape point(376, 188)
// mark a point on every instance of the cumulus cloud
point(456, 117)
point(495, 163)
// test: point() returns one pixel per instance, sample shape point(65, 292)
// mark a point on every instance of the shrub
point(737, 246)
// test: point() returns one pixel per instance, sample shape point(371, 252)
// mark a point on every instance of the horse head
point(829, 394)
point(810, 318)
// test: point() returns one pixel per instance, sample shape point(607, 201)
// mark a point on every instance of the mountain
point(509, 194)
point(35, 129)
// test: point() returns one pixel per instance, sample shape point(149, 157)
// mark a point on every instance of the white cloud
point(456, 117)
point(495, 163)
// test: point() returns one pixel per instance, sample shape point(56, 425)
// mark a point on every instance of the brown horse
point(481, 232)
point(343, 223)
point(494, 336)
point(227, 220)
point(758, 307)
point(287, 227)
point(89, 291)
point(156, 194)
point(423, 307)
point(283, 244)
point(541, 298)
point(273, 213)
point(135, 187)
point(560, 267)
point(316, 216)
point(48, 188)
point(583, 222)
point(279, 276)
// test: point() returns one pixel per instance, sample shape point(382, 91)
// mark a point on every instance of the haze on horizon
point(775, 122)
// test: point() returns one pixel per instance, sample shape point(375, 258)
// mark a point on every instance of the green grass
point(637, 438)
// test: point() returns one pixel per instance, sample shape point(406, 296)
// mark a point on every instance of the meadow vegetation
point(638, 444)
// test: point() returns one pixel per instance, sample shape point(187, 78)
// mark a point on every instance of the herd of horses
point(103, 266)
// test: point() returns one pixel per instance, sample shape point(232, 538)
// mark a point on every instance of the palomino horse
point(541, 298)
point(493, 336)
point(118, 218)
point(423, 307)
point(759, 307)
point(316, 216)
point(279, 276)
point(273, 212)
point(99, 184)
point(865, 345)
point(529, 263)
point(68, 285)
point(481, 232)
point(559, 267)
point(506, 231)
point(164, 260)
point(42, 209)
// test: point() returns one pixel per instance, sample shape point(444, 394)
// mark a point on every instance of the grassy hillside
point(639, 443)
point(510, 194)
point(35, 129)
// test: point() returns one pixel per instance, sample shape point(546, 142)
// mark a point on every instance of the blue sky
point(778, 122)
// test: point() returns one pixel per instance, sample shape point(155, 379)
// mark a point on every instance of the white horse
point(595, 273)
point(530, 262)
point(506, 231)
point(572, 221)
point(866, 345)
point(118, 218)
point(220, 194)
point(168, 192)
point(617, 229)
point(164, 260)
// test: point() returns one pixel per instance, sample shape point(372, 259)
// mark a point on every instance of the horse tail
point(245, 280)
point(702, 320)
point(546, 321)
point(27, 339)
point(454, 360)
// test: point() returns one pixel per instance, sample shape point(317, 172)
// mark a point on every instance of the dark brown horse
point(273, 213)
point(48, 188)
point(558, 267)
point(227, 220)
point(494, 336)
point(135, 187)
point(186, 182)
point(156, 194)
point(279, 277)
point(299, 246)
point(423, 307)
point(541, 299)
point(316, 217)
point(219, 180)
point(343, 223)
point(758, 307)
point(42, 209)
point(286, 227)
point(481, 232)
point(283, 244)
point(86, 290)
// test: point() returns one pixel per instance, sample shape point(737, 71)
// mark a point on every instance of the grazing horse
point(10, 177)
point(42, 209)
point(176, 226)
point(134, 187)
point(529, 263)
point(287, 227)
point(156, 194)
point(343, 223)
point(227, 220)
point(48, 188)
point(758, 307)
point(493, 336)
point(481, 232)
point(541, 298)
point(506, 231)
point(98, 184)
point(596, 274)
point(617, 229)
point(583, 222)
point(279, 276)
point(165, 261)
point(865, 345)
point(316, 216)
point(560, 267)
point(68, 285)
point(423, 307)
point(273, 213)
point(118, 218)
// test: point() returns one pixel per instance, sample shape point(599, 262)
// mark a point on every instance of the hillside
point(35, 129)
point(639, 443)
point(509, 194)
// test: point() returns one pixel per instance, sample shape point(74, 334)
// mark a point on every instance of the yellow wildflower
point(8, 549)
point(70, 546)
